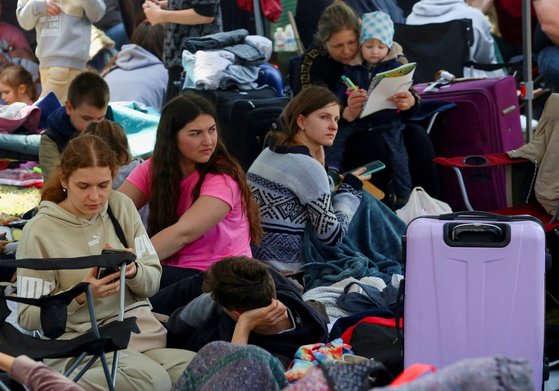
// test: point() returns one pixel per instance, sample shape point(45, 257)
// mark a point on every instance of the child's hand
point(52, 8)
point(355, 102)
point(404, 100)
point(153, 12)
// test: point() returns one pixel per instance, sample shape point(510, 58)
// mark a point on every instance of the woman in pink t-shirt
point(200, 205)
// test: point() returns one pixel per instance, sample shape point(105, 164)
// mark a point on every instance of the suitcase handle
point(475, 214)
point(491, 231)
point(476, 234)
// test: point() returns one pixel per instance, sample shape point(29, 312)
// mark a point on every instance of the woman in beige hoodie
point(73, 221)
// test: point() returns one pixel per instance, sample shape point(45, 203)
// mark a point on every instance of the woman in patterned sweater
point(340, 234)
point(291, 186)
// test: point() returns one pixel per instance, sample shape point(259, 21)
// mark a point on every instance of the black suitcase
point(256, 118)
point(244, 118)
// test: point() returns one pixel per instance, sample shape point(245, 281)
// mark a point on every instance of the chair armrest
point(65, 297)
point(54, 311)
point(476, 161)
point(430, 109)
point(102, 260)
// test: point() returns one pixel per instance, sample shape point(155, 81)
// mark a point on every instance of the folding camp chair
point(111, 337)
point(422, 44)
point(436, 46)
point(521, 199)
point(539, 147)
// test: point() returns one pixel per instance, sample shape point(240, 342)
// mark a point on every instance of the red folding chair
point(529, 205)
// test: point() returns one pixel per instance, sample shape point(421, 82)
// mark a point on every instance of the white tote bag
point(421, 204)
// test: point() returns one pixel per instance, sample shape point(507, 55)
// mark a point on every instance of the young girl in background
point(16, 85)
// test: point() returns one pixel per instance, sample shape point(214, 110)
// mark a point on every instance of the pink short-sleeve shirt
point(230, 237)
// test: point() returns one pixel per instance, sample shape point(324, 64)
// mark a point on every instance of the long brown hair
point(307, 101)
point(166, 173)
point(83, 151)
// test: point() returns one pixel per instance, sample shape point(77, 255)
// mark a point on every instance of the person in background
point(338, 35)
point(379, 53)
point(201, 208)
point(483, 48)
point(112, 24)
point(115, 137)
point(63, 32)
point(547, 12)
point(139, 64)
point(88, 99)
point(13, 41)
point(16, 85)
point(36, 376)
point(73, 220)
point(509, 23)
point(183, 19)
point(308, 13)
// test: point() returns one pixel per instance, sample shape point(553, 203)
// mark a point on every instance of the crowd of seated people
point(215, 245)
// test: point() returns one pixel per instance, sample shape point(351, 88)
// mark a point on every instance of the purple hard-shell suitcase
point(474, 287)
point(486, 120)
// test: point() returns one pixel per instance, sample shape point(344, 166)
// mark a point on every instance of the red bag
point(245, 5)
point(411, 373)
point(270, 8)
point(374, 337)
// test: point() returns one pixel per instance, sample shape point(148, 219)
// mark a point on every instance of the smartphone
point(105, 271)
point(370, 168)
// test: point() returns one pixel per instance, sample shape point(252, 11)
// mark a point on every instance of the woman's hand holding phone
point(131, 268)
point(364, 172)
point(361, 174)
point(100, 287)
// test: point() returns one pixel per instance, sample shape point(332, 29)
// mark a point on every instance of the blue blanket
point(372, 247)
point(140, 124)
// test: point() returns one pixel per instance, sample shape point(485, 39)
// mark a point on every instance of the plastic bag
point(421, 204)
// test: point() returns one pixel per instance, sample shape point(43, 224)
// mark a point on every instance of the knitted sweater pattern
point(293, 192)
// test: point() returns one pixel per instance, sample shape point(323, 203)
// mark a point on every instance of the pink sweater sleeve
point(37, 376)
